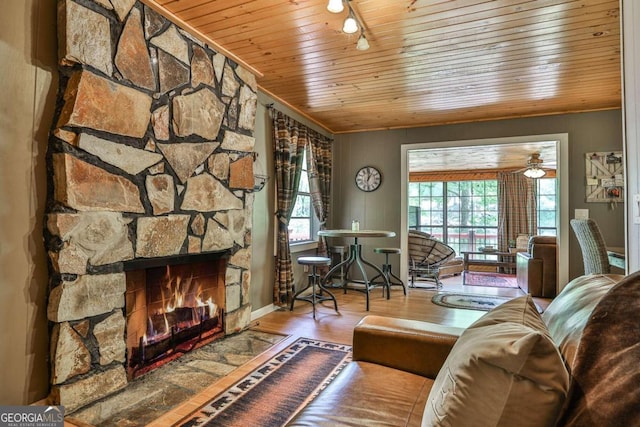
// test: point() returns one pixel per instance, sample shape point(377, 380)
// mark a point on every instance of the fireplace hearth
point(173, 305)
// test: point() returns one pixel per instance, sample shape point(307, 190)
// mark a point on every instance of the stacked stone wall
point(150, 155)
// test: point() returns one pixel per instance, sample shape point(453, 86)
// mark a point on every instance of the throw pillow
point(521, 310)
point(504, 370)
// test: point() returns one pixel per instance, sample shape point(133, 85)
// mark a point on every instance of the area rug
point(496, 280)
point(274, 392)
point(470, 301)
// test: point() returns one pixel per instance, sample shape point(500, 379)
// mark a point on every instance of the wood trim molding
point(631, 125)
point(463, 175)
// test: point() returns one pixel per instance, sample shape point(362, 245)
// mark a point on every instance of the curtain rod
point(270, 107)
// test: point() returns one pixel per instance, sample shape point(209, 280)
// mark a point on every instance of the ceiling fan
point(534, 167)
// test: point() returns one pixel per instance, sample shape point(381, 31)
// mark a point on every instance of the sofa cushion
point(504, 370)
point(568, 313)
point(410, 345)
point(367, 394)
point(605, 378)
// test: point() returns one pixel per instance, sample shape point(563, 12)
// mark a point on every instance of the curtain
point(289, 141)
point(517, 207)
point(319, 169)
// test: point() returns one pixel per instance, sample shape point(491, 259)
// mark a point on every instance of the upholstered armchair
point(536, 269)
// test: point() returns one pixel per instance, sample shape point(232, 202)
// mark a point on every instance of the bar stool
point(314, 279)
point(337, 255)
point(386, 271)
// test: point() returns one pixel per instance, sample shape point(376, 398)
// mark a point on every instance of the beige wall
point(596, 131)
point(27, 100)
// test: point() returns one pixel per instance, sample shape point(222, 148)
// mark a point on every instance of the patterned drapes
point(290, 139)
point(319, 168)
point(517, 212)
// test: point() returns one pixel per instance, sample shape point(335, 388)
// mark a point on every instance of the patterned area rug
point(496, 280)
point(273, 393)
point(470, 301)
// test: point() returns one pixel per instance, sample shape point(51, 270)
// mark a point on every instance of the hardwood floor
point(338, 327)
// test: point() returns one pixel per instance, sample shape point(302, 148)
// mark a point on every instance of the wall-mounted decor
point(368, 178)
point(605, 176)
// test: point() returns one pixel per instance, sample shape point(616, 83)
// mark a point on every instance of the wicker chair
point(594, 250)
point(426, 255)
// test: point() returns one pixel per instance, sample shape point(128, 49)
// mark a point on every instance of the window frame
point(314, 223)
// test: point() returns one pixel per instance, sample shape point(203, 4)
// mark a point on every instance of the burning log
point(178, 319)
point(175, 341)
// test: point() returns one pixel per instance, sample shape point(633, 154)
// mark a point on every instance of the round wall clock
point(368, 178)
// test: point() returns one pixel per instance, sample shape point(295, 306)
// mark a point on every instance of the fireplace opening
point(173, 306)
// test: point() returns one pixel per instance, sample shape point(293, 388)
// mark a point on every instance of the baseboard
point(262, 311)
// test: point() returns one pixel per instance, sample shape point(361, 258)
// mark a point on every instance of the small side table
point(503, 259)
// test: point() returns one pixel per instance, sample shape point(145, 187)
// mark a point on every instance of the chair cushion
point(504, 370)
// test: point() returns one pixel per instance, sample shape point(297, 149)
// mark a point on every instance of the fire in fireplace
point(173, 305)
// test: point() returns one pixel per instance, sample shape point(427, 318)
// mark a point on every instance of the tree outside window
point(547, 214)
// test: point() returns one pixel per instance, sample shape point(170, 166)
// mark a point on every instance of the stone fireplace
point(150, 160)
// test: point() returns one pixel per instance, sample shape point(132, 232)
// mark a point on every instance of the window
point(547, 215)
point(303, 225)
point(470, 219)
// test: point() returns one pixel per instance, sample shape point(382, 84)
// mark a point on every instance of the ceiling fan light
point(350, 25)
point(362, 44)
point(534, 172)
point(335, 6)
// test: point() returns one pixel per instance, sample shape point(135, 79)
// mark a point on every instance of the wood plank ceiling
point(430, 62)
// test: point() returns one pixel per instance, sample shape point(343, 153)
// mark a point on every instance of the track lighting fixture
point(362, 44)
point(335, 6)
point(352, 24)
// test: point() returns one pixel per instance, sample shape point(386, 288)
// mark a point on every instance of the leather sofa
point(574, 365)
point(536, 269)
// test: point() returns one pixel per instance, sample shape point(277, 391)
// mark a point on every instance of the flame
point(213, 308)
point(166, 323)
point(179, 292)
point(150, 328)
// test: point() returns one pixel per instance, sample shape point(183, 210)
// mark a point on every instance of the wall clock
point(368, 178)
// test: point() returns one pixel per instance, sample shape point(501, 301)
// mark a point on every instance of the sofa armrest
point(409, 345)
